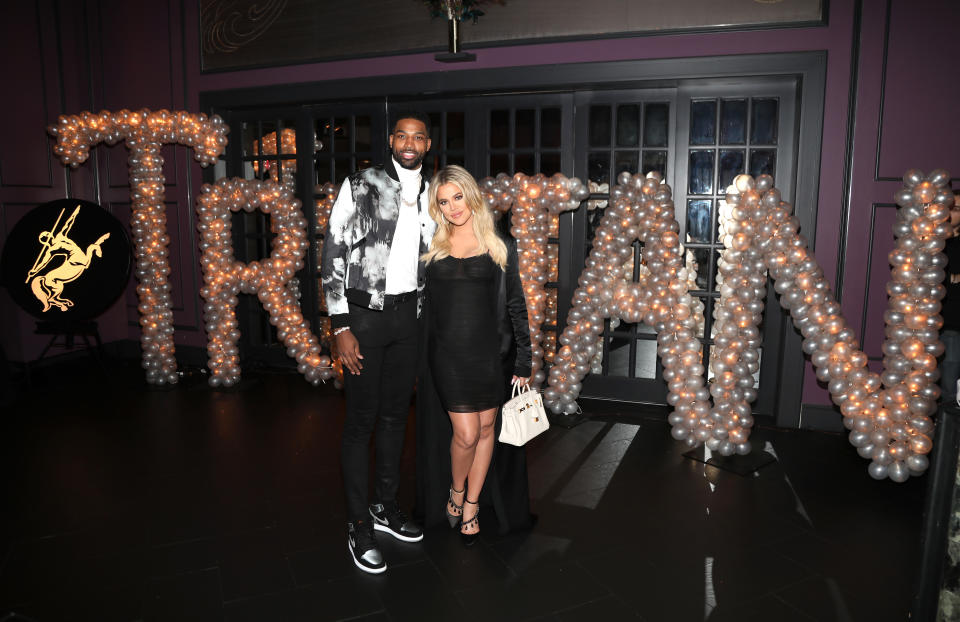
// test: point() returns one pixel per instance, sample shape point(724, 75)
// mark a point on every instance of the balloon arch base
point(744, 465)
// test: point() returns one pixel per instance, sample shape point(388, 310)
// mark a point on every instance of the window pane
point(618, 349)
point(698, 259)
point(499, 128)
point(499, 163)
point(436, 130)
point(713, 273)
point(733, 121)
point(646, 365)
point(455, 130)
point(324, 127)
point(654, 161)
point(598, 167)
point(701, 172)
point(550, 127)
point(362, 133)
point(549, 163)
point(703, 122)
point(288, 142)
point(523, 136)
point(637, 260)
point(707, 315)
point(286, 167)
point(323, 171)
point(599, 126)
point(628, 125)
point(342, 169)
point(731, 165)
point(523, 163)
point(763, 161)
point(626, 161)
point(593, 221)
point(431, 164)
point(655, 125)
point(264, 142)
point(341, 135)
point(764, 122)
point(699, 221)
point(250, 137)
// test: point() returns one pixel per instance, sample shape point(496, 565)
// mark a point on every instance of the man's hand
point(349, 349)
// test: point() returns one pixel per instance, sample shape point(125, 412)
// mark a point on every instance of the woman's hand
point(522, 381)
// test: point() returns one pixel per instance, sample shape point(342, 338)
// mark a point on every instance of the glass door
point(730, 127)
point(621, 131)
point(700, 136)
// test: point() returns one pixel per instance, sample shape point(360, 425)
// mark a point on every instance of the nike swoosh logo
point(382, 521)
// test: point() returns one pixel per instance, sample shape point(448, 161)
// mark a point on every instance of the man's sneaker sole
point(385, 529)
point(357, 563)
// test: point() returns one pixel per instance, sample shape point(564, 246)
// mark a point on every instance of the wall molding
point(864, 304)
point(45, 76)
point(883, 95)
point(852, 101)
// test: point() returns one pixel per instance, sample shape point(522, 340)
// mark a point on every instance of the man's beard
point(412, 164)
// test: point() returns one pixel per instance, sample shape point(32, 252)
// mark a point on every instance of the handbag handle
point(518, 388)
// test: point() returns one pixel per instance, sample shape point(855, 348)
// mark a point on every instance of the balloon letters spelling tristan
point(888, 414)
point(145, 132)
point(224, 277)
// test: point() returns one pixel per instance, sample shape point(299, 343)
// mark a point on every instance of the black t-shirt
point(951, 302)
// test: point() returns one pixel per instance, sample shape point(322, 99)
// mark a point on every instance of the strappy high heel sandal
point(453, 519)
point(470, 538)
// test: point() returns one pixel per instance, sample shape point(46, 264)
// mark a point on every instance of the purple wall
point(122, 54)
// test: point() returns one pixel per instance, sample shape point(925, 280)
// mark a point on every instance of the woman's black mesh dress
point(471, 302)
point(464, 344)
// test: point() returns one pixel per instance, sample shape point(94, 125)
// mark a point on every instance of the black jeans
point(378, 398)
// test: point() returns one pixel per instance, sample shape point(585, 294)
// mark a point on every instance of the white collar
point(406, 175)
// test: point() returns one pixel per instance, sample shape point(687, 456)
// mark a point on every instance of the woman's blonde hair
point(483, 226)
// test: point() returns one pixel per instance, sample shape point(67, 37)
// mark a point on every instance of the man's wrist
point(339, 330)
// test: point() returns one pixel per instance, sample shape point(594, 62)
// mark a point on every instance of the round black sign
point(66, 260)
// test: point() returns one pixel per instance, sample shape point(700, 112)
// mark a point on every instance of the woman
point(476, 317)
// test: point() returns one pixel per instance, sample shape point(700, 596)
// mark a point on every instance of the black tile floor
point(124, 502)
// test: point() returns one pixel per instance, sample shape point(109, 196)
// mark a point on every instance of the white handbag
point(523, 416)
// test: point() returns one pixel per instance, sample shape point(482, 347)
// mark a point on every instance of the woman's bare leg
point(483, 453)
point(463, 446)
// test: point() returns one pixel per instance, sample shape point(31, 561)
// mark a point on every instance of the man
point(373, 283)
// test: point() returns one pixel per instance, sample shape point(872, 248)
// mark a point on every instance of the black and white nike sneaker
point(389, 519)
point(362, 543)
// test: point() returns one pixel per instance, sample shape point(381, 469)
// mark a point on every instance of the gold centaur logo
point(48, 287)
